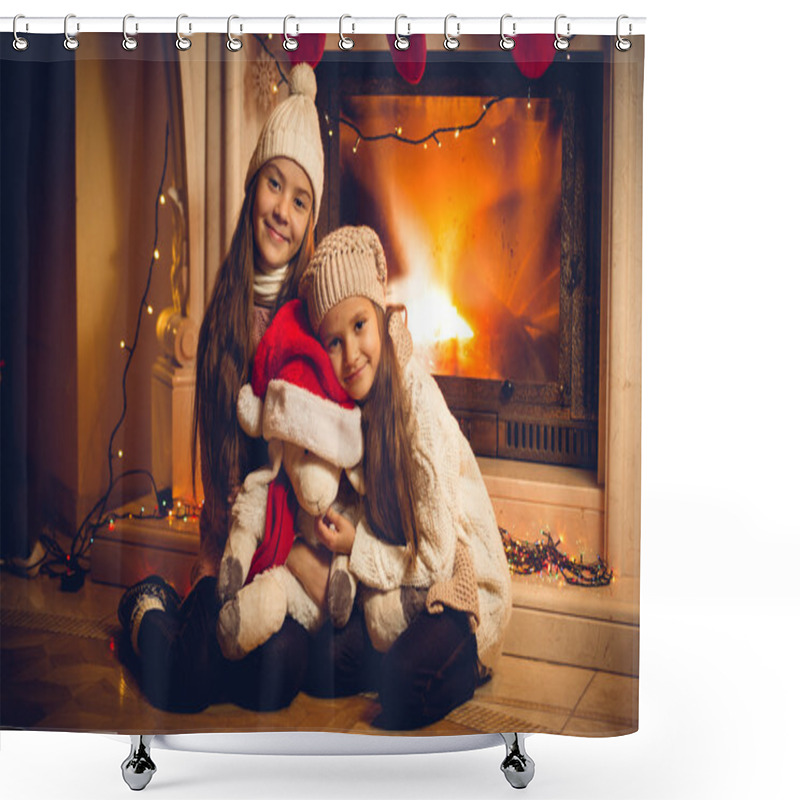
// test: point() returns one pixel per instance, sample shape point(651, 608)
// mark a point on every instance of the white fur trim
point(248, 411)
point(296, 415)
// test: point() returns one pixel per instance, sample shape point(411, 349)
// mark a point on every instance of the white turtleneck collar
point(267, 286)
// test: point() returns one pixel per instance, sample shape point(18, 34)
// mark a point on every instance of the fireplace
point(486, 195)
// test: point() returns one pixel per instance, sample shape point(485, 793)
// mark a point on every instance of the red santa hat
point(303, 401)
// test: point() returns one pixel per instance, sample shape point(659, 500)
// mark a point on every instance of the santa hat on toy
point(303, 401)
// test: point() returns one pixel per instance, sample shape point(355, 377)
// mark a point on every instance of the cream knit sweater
point(454, 505)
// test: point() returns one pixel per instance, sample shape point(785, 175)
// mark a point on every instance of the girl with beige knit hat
point(427, 550)
point(174, 646)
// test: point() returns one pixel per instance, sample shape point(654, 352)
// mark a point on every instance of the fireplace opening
point(490, 220)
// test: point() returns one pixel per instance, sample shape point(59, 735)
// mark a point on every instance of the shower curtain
point(504, 185)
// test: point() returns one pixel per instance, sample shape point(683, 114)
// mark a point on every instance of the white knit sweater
point(453, 505)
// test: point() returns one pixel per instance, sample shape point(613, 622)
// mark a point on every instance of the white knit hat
point(350, 262)
point(292, 131)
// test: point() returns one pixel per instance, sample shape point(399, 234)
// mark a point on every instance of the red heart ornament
point(410, 63)
point(533, 53)
point(310, 47)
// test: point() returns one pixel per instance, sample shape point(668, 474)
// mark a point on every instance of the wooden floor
point(59, 670)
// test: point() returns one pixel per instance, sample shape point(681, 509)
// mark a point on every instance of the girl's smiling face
point(281, 212)
point(350, 334)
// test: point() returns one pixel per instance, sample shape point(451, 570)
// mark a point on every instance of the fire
point(471, 230)
point(437, 328)
point(432, 317)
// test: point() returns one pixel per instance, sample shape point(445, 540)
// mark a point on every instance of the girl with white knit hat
point(427, 550)
point(174, 645)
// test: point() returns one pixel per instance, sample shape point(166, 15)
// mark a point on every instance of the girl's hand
point(335, 532)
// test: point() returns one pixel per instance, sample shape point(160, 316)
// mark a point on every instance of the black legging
point(427, 672)
point(182, 669)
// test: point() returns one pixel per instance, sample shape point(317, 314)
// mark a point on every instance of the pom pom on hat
point(302, 81)
point(292, 131)
point(303, 401)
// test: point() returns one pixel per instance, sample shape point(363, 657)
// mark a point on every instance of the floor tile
point(535, 684)
point(610, 697)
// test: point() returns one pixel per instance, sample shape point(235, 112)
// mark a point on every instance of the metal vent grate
point(558, 443)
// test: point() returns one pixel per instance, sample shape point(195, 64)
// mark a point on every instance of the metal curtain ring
point(345, 42)
point(506, 42)
point(288, 43)
point(401, 42)
point(70, 42)
point(233, 44)
point(623, 45)
point(20, 43)
point(182, 43)
point(451, 42)
point(560, 42)
point(128, 42)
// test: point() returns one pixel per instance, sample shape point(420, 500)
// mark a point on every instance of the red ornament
point(410, 63)
point(533, 53)
point(310, 47)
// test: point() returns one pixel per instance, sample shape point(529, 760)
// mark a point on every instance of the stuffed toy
point(314, 433)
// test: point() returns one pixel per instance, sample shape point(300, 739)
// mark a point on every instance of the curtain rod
point(294, 25)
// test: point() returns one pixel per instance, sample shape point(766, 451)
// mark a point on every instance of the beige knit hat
point(350, 262)
point(292, 131)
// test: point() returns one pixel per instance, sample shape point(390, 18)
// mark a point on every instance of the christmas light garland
point(71, 566)
point(397, 133)
point(527, 558)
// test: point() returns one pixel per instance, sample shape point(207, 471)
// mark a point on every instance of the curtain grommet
point(70, 42)
point(451, 42)
point(561, 42)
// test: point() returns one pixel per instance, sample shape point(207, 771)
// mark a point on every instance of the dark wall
point(37, 287)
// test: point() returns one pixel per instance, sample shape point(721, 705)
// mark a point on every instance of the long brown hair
point(391, 499)
point(224, 355)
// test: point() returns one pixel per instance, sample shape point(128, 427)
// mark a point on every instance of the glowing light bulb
point(162, 199)
point(398, 130)
point(458, 131)
point(156, 254)
point(494, 141)
point(425, 146)
point(274, 88)
point(119, 453)
point(122, 345)
point(149, 309)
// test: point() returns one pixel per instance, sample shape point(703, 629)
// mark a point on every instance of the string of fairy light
point(543, 556)
point(71, 565)
point(397, 132)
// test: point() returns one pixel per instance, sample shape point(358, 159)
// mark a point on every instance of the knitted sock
point(147, 602)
